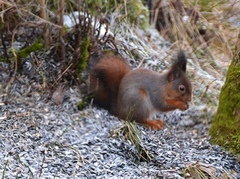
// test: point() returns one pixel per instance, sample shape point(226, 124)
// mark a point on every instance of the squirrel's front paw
point(183, 106)
point(154, 124)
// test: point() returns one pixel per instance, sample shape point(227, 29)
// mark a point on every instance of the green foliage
point(37, 45)
point(225, 129)
point(133, 11)
point(53, 5)
point(138, 13)
point(95, 5)
point(82, 64)
point(208, 5)
point(81, 105)
point(12, 51)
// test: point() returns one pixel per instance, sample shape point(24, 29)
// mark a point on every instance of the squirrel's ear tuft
point(180, 61)
point(179, 65)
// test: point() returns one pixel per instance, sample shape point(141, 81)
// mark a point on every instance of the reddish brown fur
point(143, 93)
point(180, 102)
point(105, 78)
point(136, 95)
point(154, 124)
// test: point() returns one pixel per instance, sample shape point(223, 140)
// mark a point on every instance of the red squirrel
point(136, 95)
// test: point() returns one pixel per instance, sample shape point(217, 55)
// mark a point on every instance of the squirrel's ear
point(173, 73)
point(184, 67)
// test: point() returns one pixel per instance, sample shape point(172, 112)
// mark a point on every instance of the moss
point(85, 101)
point(82, 64)
point(138, 13)
point(94, 5)
point(225, 129)
point(134, 10)
point(208, 5)
point(37, 45)
point(2, 59)
point(81, 105)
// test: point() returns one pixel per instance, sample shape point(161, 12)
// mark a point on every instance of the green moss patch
point(37, 45)
point(82, 64)
point(225, 129)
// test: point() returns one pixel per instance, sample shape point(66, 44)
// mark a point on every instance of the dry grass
point(130, 133)
point(203, 171)
point(71, 46)
point(200, 170)
point(204, 34)
point(219, 37)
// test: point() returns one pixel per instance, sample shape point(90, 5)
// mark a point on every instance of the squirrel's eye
point(181, 88)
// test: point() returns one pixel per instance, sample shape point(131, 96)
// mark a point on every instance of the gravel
point(40, 139)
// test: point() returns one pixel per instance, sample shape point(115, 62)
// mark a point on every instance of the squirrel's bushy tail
point(106, 72)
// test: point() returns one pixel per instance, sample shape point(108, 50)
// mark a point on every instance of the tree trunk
point(225, 129)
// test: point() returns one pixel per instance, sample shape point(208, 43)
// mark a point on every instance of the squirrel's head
point(179, 87)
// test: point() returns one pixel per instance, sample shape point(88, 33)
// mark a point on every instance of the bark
point(225, 129)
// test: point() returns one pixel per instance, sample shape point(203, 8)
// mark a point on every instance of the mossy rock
point(225, 129)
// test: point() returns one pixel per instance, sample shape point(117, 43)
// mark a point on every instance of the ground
point(47, 137)
point(40, 139)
